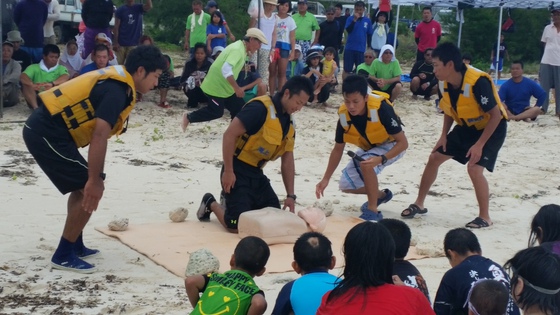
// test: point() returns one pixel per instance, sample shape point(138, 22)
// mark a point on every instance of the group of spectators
point(376, 278)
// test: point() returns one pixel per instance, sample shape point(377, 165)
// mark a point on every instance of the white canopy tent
point(508, 4)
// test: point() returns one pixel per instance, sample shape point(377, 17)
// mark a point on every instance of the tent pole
point(497, 55)
point(1, 74)
point(460, 28)
point(396, 27)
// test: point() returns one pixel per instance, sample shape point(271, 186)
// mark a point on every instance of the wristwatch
point(52, 82)
point(383, 159)
point(291, 196)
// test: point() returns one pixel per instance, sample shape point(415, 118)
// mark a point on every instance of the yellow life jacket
point(71, 101)
point(468, 112)
point(268, 143)
point(375, 131)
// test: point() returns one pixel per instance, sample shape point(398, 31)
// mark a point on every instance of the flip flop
point(412, 211)
point(478, 223)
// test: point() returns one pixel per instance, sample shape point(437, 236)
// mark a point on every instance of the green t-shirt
point(37, 75)
point(215, 84)
point(198, 31)
point(363, 66)
point(305, 25)
point(227, 293)
point(386, 70)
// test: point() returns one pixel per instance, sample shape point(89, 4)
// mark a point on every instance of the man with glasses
point(328, 28)
point(365, 68)
point(423, 80)
point(386, 73)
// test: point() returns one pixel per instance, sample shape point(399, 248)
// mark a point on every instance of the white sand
point(154, 168)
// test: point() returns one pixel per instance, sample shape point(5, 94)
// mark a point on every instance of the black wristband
point(291, 196)
point(102, 175)
point(383, 159)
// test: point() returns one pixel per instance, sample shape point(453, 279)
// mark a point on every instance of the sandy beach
point(155, 167)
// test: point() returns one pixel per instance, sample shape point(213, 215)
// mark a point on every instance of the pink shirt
point(551, 38)
point(428, 34)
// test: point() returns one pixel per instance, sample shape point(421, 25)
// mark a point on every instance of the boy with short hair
point(369, 122)
point(488, 297)
point(405, 270)
point(313, 257)
point(235, 289)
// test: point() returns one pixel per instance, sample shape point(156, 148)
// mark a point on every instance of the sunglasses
point(387, 53)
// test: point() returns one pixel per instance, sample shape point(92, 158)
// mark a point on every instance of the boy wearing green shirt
point(235, 291)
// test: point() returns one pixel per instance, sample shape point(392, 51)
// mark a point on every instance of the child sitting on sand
point(313, 257)
point(488, 297)
point(233, 292)
point(544, 228)
point(406, 271)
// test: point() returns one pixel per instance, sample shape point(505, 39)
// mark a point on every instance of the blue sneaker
point(87, 252)
point(371, 216)
point(73, 263)
point(387, 198)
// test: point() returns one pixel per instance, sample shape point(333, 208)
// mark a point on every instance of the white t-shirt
point(267, 27)
point(283, 29)
point(53, 15)
point(551, 38)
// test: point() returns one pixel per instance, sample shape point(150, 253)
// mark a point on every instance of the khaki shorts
point(123, 52)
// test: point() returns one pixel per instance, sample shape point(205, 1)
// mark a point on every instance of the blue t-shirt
point(30, 16)
point(130, 29)
point(517, 96)
point(303, 296)
point(90, 67)
point(216, 29)
point(456, 283)
point(358, 33)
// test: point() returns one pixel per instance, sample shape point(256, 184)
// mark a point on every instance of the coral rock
point(178, 215)
point(326, 206)
point(118, 225)
point(202, 262)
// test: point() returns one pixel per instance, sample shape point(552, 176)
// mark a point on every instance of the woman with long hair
point(194, 72)
point(367, 284)
point(545, 228)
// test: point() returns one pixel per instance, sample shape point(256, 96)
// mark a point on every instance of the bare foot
point(316, 92)
point(185, 122)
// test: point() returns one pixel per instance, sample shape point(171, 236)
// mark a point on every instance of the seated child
point(235, 289)
point(295, 66)
point(313, 257)
point(406, 271)
point(488, 297)
point(314, 71)
point(251, 82)
point(330, 69)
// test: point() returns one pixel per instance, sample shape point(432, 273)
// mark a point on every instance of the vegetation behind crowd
point(166, 24)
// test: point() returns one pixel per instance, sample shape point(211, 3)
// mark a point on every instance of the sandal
point(478, 223)
point(413, 210)
point(387, 198)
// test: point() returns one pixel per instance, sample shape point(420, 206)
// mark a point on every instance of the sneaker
point(204, 211)
point(73, 263)
point(387, 198)
point(87, 252)
point(371, 216)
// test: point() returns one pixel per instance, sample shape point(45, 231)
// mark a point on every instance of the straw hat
point(258, 34)
point(273, 2)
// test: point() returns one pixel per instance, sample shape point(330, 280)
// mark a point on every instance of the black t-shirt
point(253, 116)
point(108, 98)
point(503, 48)
point(425, 68)
point(410, 276)
point(191, 66)
point(387, 117)
point(313, 77)
point(326, 37)
point(23, 58)
point(456, 283)
point(341, 25)
point(482, 90)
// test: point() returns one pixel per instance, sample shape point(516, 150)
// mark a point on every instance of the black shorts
point(461, 139)
point(389, 89)
point(60, 160)
point(248, 193)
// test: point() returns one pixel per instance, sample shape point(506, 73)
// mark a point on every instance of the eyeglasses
point(388, 53)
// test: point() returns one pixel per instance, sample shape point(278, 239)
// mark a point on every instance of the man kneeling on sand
point(262, 131)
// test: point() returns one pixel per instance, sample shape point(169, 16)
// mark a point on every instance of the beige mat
point(168, 244)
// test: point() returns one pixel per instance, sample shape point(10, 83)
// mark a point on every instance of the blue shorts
point(352, 59)
point(500, 65)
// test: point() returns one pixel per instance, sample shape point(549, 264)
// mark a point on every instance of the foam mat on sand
point(169, 244)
